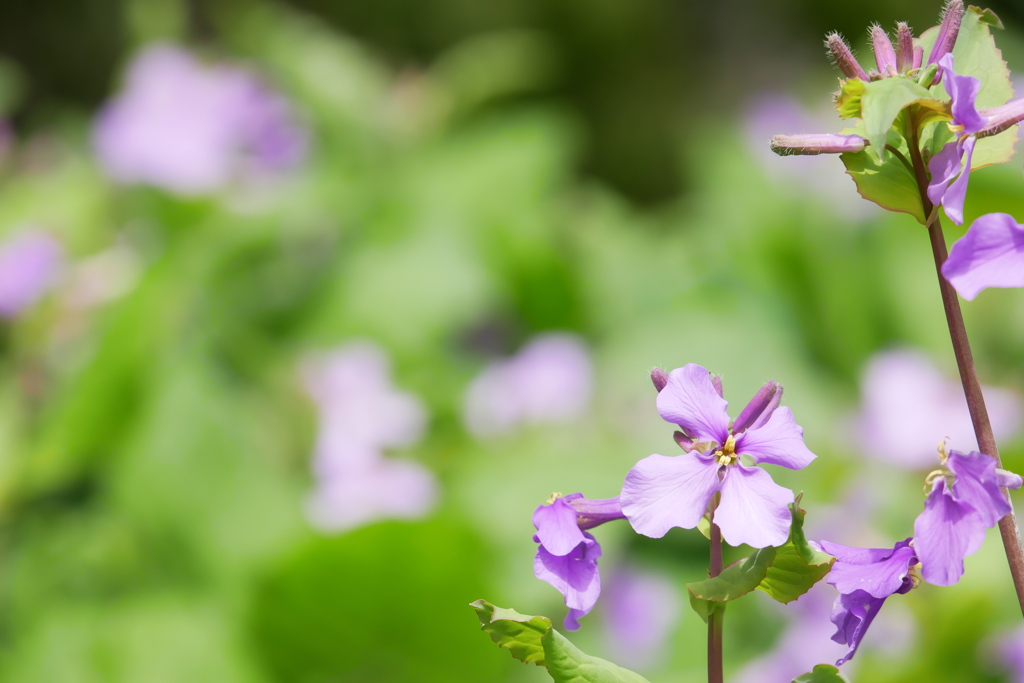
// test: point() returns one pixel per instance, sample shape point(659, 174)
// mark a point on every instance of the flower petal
point(944, 534)
point(978, 486)
point(691, 401)
point(963, 90)
point(779, 442)
point(991, 254)
point(557, 529)
point(575, 576)
point(853, 555)
point(662, 492)
point(943, 167)
point(754, 509)
point(956, 193)
point(878, 579)
point(852, 614)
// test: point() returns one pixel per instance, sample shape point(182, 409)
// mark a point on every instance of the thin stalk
point(1008, 530)
point(717, 616)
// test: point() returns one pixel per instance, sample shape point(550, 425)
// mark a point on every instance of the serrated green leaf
point(881, 102)
point(822, 673)
point(889, 183)
point(847, 100)
point(532, 639)
point(735, 581)
point(797, 565)
point(987, 16)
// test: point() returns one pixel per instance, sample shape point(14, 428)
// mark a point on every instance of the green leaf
point(882, 101)
point(532, 639)
point(704, 526)
point(976, 55)
point(848, 98)
point(987, 16)
point(735, 581)
point(797, 565)
point(889, 183)
point(822, 673)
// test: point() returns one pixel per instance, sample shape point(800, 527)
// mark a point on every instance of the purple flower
point(549, 380)
point(662, 492)
point(991, 254)
point(865, 577)
point(947, 164)
point(641, 610)
point(567, 555)
point(906, 402)
point(29, 266)
point(191, 128)
point(1010, 651)
point(956, 514)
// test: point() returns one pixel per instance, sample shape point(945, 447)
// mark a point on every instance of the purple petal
point(878, 579)
point(662, 492)
point(956, 193)
point(29, 265)
point(591, 513)
point(853, 555)
point(943, 168)
point(760, 408)
point(977, 485)
point(963, 90)
point(779, 442)
point(852, 614)
point(575, 576)
point(1008, 480)
point(944, 534)
point(556, 527)
point(691, 401)
point(991, 254)
point(754, 509)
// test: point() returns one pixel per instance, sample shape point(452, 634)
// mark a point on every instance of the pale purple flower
point(662, 492)
point(907, 405)
point(640, 611)
point(567, 555)
point(963, 503)
point(549, 380)
point(30, 264)
point(191, 127)
point(1010, 652)
point(865, 577)
point(991, 254)
point(361, 413)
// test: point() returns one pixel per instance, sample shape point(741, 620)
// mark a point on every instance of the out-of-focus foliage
point(156, 438)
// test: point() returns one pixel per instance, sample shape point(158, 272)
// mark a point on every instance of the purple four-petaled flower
point(662, 492)
point(567, 555)
point(865, 577)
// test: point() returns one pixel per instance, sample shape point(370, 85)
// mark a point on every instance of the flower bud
point(816, 143)
point(885, 56)
point(918, 56)
point(1002, 117)
point(843, 58)
point(904, 48)
point(659, 378)
point(952, 15)
point(759, 409)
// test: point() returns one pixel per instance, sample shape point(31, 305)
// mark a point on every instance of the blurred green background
point(476, 174)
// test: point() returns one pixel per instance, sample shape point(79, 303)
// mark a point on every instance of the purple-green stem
point(965, 363)
point(718, 614)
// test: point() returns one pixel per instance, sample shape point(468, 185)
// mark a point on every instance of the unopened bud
point(659, 378)
point(759, 409)
point(904, 48)
point(1002, 117)
point(885, 56)
point(685, 442)
point(716, 382)
point(843, 57)
point(1008, 480)
point(918, 56)
point(952, 15)
point(817, 143)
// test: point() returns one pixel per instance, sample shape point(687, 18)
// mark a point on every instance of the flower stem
point(718, 614)
point(968, 374)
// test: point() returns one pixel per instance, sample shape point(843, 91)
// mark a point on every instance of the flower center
point(726, 455)
point(915, 574)
point(553, 497)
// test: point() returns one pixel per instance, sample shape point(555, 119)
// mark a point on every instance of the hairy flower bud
point(816, 143)
point(843, 57)
point(759, 409)
point(885, 56)
point(952, 15)
point(904, 48)
point(660, 378)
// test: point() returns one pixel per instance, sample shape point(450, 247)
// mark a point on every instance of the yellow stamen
point(914, 574)
point(931, 478)
point(727, 454)
point(553, 497)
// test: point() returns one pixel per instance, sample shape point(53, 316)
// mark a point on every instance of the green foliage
point(822, 673)
point(848, 99)
point(735, 581)
point(881, 102)
point(532, 639)
point(797, 565)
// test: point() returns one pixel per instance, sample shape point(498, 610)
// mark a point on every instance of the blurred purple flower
point(907, 405)
point(641, 610)
point(567, 555)
point(957, 513)
point(361, 414)
point(991, 254)
point(1010, 652)
point(663, 492)
point(549, 380)
point(865, 578)
point(192, 128)
point(29, 265)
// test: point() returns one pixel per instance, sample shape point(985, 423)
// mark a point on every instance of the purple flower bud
point(716, 382)
point(904, 48)
point(918, 56)
point(885, 56)
point(816, 143)
point(843, 57)
point(952, 15)
point(760, 408)
point(660, 378)
point(999, 119)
